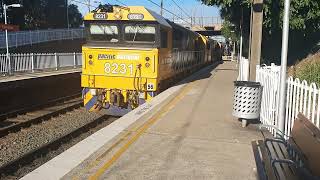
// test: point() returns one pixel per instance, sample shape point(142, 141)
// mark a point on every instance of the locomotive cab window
point(104, 32)
point(140, 33)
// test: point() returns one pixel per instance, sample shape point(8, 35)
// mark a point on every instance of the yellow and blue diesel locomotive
point(132, 54)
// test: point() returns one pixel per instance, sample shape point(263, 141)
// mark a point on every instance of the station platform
point(33, 89)
point(25, 76)
point(186, 132)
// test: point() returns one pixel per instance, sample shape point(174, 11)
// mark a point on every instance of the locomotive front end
point(118, 80)
point(120, 59)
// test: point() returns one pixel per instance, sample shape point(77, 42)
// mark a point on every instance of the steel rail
point(45, 114)
point(29, 157)
point(17, 112)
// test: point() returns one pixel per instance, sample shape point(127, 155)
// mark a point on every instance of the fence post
point(38, 33)
point(32, 62)
point(9, 64)
point(71, 34)
point(45, 35)
point(16, 39)
point(30, 32)
point(74, 60)
point(56, 60)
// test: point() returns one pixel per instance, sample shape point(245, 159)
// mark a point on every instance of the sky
point(191, 7)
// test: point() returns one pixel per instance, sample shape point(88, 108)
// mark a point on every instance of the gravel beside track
point(14, 124)
point(15, 145)
point(51, 104)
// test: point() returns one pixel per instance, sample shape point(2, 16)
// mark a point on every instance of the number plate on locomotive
point(100, 16)
point(135, 16)
point(115, 68)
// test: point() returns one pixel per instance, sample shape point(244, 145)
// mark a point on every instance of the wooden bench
point(290, 158)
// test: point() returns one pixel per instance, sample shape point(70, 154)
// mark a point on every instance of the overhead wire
point(186, 9)
point(181, 8)
point(169, 11)
point(168, 4)
point(121, 2)
point(87, 4)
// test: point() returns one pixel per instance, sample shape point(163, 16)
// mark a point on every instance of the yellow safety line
point(98, 159)
point(140, 131)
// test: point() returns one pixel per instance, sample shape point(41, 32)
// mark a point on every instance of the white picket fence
point(20, 63)
point(22, 38)
point(269, 77)
point(301, 98)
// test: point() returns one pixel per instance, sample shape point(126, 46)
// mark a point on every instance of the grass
point(308, 69)
point(310, 73)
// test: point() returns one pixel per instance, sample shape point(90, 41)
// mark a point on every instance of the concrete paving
point(194, 136)
point(26, 76)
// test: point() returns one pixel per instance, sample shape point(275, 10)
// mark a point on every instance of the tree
point(75, 17)
point(34, 14)
point(56, 13)
point(304, 24)
point(14, 15)
point(42, 14)
point(228, 32)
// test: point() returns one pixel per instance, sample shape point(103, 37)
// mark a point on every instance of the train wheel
point(96, 108)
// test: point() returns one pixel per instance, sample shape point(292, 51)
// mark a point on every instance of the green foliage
point(75, 17)
point(305, 14)
point(304, 24)
point(310, 72)
point(228, 31)
point(304, 17)
point(42, 14)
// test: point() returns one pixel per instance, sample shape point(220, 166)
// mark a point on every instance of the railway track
point(16, 112)
point(16, 120)
point(27, 161)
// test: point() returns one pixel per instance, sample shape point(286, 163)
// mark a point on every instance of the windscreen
point(140, 33)
point(104, 32)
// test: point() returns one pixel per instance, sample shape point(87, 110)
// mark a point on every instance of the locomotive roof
point(130, 13)
point(178, 26)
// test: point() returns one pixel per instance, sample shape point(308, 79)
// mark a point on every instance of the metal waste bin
point(247, 99)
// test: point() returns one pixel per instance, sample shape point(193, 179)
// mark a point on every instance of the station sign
point(100, 16)
point(9, 27)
